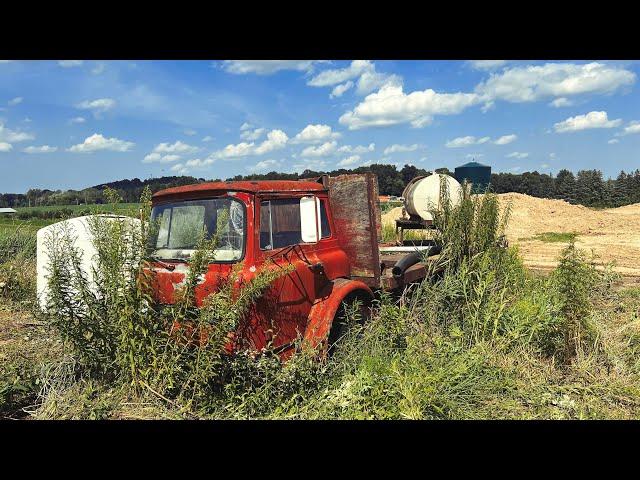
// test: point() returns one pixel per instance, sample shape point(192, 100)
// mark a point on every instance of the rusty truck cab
point(264, 228)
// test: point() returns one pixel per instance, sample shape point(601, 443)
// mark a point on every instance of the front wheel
point(353, 312)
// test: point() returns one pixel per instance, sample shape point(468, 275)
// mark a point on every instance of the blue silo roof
point(472, 164)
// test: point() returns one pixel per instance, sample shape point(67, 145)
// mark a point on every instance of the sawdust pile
point(611, 234)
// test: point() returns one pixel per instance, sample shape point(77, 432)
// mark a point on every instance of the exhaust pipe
point(409, 260)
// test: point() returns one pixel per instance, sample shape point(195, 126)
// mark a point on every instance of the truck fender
point(323, 311)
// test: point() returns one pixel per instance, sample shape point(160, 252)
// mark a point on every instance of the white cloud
point(391, 106)
point(97, 142)
point(328, 78)
point(190, 132)
point(537, 82)
point(5, 147)
point(263, 165)
point(401, 148)
point(315, 164)
point(357, 149)
point(506, 139)
point(77, 120)
point(41, 149)
point(613, 141)
point(466, 141)
point(486, 64)
point(338, 90)
point(12, 136)
point(633, 127)
point(155, 157)
point(515, 169)
point(98, 69)
point(266, 67)
point(343, 78)
point(70, 63)
point(97, 106)
point(518, 155)
point(561, 102)
point(353, 159)
point(327, 148)
point(544, 165)
point(177, 147)
point(245, 126)
point(251, 135)
point(474, 155)
point(208, 138)
point(585, 122)
point(315, 134)
point(15, 101)
point(276, 139)
point(552, 155)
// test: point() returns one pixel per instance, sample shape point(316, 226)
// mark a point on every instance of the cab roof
point(258, 186)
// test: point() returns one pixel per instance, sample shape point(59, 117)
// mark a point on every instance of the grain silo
point(477, 174)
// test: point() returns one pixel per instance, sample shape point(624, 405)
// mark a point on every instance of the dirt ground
point(611, 234)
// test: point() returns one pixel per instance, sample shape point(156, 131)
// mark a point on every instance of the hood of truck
point(166, 281)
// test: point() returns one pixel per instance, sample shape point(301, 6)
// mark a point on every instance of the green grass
point(115, 208)
point(553, 237)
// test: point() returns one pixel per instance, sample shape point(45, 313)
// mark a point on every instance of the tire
point(342, 323)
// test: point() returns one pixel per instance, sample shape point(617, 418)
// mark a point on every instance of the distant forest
point(587, 187)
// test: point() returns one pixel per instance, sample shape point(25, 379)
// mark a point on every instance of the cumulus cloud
point(353, 159)
point(5, 147)
point(486, 64)
point(13, 136)
point(77, 120)
point(276, 139)
point(506, 139)
point(338, 90)
point(518, 155)
point(327, 148)
point(208, 138)
point(99, 105)
point(177, 147)
point(396, 148)
point(359, 149)
point(342, 78)
point(315, 134)
point(613, 141)
point(266, 67)
point(41, 149)
point(537, 82)
point(391, 106)
point(585, 122)
point(15, 101)
point(630, 129)
point(466, 141)
point(263, 165)
point(248, 134)
point(98, 142)
point(70, 63)
point(190, 132)
point(561, 102)
point(316, 164)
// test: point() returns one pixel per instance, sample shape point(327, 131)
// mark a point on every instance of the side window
point(325, 229)
point(280, 223)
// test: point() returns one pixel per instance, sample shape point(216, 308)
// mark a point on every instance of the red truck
point(327, 231)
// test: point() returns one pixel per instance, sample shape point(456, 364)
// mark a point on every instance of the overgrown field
point(487, 339)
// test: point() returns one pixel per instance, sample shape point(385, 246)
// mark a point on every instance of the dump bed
point(356, 213)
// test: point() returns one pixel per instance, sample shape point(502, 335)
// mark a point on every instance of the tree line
point(587, 187)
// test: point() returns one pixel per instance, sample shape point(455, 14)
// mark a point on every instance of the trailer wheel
point(354, 311)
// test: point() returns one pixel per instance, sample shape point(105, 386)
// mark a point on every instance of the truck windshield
point(179, 226)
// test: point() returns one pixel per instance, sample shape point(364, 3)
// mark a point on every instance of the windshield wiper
point(168, 266)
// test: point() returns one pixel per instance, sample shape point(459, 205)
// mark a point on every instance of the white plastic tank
point(422, 196)
point(80, 231)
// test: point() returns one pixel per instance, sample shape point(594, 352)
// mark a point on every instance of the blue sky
point(72, 124)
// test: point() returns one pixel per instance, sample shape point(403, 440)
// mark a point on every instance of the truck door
point(281, 241)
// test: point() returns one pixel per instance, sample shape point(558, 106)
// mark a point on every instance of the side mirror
point(309, 216)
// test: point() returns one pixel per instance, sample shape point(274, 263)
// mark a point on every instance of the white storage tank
point(422, 195)
point(80, 231)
